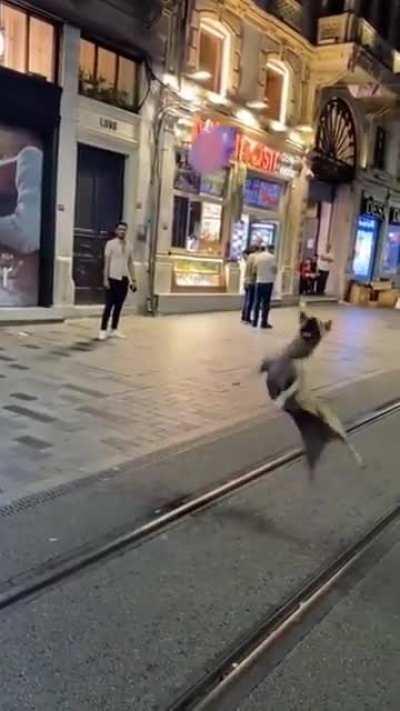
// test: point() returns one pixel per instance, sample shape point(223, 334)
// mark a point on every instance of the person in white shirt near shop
point(324, 265)
point(265, 270)
point(119, 276)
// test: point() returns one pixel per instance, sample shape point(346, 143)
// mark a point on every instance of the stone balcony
point(347, 28)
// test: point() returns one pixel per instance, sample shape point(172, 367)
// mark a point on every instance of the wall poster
point(21, 166)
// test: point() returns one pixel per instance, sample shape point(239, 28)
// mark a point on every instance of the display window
point(198, 208)
point(391, 251)
point(193, 274)
point(21, 166)
point(365, 247)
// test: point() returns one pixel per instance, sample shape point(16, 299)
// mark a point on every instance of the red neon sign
point(258, 156)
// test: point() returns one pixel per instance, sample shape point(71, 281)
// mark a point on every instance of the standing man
point(266, 269)
point(119, 276)
point(325, 261)
point(249, 284)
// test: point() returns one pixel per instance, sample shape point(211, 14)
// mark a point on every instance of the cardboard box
point(388, 299)
point(382, 285)
point(360, 295)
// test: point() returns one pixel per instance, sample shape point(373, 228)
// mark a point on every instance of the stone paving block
point(173, 380)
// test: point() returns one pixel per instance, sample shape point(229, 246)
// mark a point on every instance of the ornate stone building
point(248, 72)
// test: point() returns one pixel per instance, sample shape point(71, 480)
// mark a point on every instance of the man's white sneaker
point(102, 335)
point(117, 334)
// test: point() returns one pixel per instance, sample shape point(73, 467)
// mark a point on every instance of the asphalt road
point(134, 632)
point(348, 662)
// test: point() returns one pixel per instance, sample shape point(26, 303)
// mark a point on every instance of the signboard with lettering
point(94, 122)
point(258, 156)
point(252, 153)
point(373, 207)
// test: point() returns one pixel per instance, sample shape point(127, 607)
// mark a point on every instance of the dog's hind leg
point(356, 455)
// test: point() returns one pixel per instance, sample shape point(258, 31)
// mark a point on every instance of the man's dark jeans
point(263, 304)
point(249, 294)
point(115, 297)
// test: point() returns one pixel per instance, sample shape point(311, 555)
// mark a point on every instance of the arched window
point(214, 56)
point(277, 80)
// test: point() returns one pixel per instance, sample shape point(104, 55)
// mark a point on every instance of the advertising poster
point(365, 246)
point(211, 228)
point(262, 194)
point(21, 163)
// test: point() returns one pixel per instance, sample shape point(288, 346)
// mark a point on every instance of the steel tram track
point(53, 572)
point(263, 646)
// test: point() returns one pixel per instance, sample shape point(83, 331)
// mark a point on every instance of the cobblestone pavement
point(72, 406)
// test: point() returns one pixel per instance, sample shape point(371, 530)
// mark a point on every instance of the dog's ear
point(303, 318)
point(328, 326)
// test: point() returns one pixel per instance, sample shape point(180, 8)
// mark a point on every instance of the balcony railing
point(338, 29)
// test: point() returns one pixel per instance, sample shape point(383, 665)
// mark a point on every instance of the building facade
point(354, 193)
point(245, 73)
point(75, 125)
point(104, 105)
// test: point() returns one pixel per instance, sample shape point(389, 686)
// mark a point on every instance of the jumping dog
point(316, 422)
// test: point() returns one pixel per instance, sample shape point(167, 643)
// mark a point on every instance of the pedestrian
point(325, 261)
point(307, 277)
point(119, 276)
point(265, 269)
point(249, 284)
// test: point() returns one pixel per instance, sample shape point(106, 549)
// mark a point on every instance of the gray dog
point(315, 421)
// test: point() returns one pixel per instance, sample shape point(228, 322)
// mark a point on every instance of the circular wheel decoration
point(336, 146)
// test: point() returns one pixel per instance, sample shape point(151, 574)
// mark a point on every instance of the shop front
point(29, 118)
point(216, 217)
point(267, 184)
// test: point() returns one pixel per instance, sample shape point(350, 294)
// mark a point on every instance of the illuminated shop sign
point(252, 153)
point(370, 206)
point(258, 156)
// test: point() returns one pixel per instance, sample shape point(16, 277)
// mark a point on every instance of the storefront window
point(193, 274)
point(391, 251)
point(21, 161)
point(197, 225)
point(365, 247)
point(197, 220)
point(29, 43)
point(107, 76)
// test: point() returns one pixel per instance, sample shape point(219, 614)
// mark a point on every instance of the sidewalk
point(72, 406)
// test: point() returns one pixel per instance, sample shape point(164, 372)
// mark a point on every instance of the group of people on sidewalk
point(259, 278)
point(314, 273)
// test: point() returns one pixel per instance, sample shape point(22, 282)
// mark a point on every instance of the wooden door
point(99, 205)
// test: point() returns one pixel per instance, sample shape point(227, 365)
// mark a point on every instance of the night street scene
point(200, 355)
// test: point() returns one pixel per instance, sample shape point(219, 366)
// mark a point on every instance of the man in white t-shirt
point(324, 265)
point(119, 276)
point(265, 270)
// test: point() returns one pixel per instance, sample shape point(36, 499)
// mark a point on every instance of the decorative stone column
point(67, 167)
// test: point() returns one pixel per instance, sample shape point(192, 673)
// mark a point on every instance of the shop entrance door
point(99, 204)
